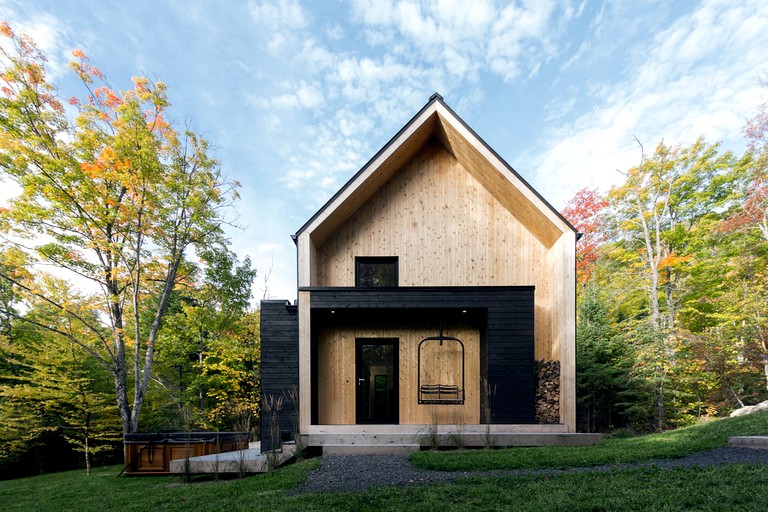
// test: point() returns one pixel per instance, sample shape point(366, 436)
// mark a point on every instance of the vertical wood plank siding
point(280, 361)
point(448, 229)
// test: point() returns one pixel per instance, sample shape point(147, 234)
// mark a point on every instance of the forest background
point(122, 308)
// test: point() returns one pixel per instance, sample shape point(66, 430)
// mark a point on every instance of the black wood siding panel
point(279, 361)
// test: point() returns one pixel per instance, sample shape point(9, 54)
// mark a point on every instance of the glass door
point(376, 367)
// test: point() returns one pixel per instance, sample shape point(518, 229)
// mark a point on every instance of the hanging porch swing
point(441, 370)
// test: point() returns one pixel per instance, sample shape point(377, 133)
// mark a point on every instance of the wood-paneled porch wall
point(448, 230)
point(336, 374)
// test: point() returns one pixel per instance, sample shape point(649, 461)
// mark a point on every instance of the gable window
point(375, 271)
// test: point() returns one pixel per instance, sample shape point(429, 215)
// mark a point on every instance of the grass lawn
point(736, 487)
point(666, 445)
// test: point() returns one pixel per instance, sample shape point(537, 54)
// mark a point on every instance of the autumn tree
point(754, 213)
point(117, 198)
point(662, 208)
point(587, 211)
point(750, 225)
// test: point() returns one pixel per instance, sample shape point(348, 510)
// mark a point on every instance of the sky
point(296, 96)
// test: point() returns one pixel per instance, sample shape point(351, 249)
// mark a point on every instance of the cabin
point(436, 298)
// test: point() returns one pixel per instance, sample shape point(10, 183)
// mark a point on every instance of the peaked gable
point(437, 121)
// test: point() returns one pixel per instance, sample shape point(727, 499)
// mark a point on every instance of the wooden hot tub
point(151, 454)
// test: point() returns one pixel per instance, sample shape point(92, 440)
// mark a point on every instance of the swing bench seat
point(440, 394)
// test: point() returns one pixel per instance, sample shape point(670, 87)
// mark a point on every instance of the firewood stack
point(547, 391)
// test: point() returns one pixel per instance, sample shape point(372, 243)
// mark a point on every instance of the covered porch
point(394, 362)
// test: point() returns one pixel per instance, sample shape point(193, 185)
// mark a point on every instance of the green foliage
point(207, 371)
point(116, 197)
point(55, 386)
point(603, 367)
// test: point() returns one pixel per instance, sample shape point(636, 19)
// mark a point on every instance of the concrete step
point(757, 442)
point(474, 439)
point(369, 449)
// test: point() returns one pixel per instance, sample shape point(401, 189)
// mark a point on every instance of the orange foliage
point(107, 97)
point(5, 29)
point(673, 260)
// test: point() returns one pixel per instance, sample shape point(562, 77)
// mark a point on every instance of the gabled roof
point(437, 121)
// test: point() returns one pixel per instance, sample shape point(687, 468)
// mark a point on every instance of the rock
point(743, 411)
point(749, 409)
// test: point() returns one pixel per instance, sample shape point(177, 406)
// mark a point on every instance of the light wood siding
point(305, 362)
point(517, 198)
point(336, 374)
point(447, 230)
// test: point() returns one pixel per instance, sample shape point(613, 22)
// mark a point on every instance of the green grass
point(672, 444)
point(73, 490)
point(735, 487)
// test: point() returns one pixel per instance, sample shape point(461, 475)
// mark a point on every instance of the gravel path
point(353, 473)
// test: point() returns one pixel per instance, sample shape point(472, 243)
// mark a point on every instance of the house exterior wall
point(448, 230)
point(502, 324)
point(280, 362)
point(456, 215)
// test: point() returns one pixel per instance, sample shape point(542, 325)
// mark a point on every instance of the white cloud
point(334, 33)
point(698, 77)
point(279, 14)
point(301, 95)
point(48, 33)
point(462, 38)
point(280, 20)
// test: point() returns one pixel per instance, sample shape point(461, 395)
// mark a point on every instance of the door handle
point(360, 381)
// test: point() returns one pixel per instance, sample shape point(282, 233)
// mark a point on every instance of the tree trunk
point(87, 444)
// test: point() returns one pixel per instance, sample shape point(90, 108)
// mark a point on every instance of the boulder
point(749, 409)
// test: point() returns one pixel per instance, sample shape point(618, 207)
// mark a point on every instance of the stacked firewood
point(547, 391)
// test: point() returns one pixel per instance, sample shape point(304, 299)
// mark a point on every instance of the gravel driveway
point(353, 473)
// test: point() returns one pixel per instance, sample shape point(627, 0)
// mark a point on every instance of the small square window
point(375, 271)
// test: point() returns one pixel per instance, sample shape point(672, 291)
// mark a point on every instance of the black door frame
point(394, 412)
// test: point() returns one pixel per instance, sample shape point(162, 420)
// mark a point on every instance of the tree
point(603, 366)
point(117, 198)
point(209, 367)
point(57, 387)
point(660, 209)
point(752, 218)
point(587, 211)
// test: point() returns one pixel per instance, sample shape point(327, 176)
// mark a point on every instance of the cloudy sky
point(296, 96)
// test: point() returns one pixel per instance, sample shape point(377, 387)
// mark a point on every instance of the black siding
point(507, 337)
point(279, 362)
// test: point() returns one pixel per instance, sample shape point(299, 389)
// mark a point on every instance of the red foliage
point(586, 211)
point(754, 213)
